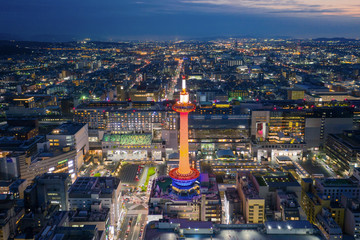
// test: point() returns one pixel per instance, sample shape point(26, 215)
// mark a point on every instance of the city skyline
point(170, 20)
point(245, 138)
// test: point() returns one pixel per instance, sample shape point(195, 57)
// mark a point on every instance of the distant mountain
point(39, 37)
point(10, 49)
point(8, 36)
point(53, 38)
point(338, 39)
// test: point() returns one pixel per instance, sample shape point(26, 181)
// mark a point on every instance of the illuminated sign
point(63, 161)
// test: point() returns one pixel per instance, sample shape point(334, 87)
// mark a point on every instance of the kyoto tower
point(184, 176)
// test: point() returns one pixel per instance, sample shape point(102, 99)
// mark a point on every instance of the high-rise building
point(277, 132)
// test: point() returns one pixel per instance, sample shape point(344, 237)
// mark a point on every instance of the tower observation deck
point(184, 176)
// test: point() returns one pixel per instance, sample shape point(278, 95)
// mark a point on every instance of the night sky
point(62, 20)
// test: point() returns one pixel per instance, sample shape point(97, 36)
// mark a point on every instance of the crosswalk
point(137, 209)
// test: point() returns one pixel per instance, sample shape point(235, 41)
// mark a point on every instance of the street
point(135, 200)
point(133, 227)
point(317, 166)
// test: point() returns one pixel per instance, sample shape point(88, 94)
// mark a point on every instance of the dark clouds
point(166, 19)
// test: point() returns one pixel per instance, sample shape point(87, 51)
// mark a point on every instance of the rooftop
point(53, 176)
point(225, 154)
point(89, 216)
point(232, 195)
point(162, 189)
point(277, 180)
point(248, 187)
point(83, 187)
point(5, 183)
point(337, 182)
point(349, 138)
point(184, 223)
point(293, 224)
point(241, 231)
point(128, 139)
point(10, 144)
point(69, 128)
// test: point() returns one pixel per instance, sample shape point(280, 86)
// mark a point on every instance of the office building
point(352, 216)
point(334, 188)
point(280, 191)
point(48, 188)
point(288, 206)
point(327, 225)
point(20, 128)
point(70, 233)
point(327, 194)
point(140, 120)
point(53, 160)
point(10, 214)
point(252, 204)
point(73, 135)
point(232, 206)
point(15, 154)
point(87, 193)
point(295, 94)
point(99, 217)
point(321, 122)
point(14, 187)
point(343, 150)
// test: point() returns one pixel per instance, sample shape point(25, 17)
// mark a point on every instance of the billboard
point(261, 130)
